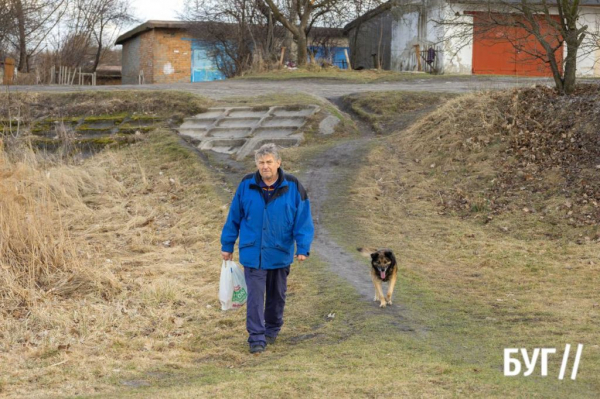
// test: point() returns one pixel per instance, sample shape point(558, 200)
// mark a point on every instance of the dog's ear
point(374, 255)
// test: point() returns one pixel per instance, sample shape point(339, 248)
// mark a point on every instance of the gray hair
point(267, 149)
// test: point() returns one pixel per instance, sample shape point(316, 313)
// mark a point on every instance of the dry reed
point(37, 254)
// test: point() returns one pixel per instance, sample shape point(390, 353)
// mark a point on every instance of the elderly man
point(270, 211)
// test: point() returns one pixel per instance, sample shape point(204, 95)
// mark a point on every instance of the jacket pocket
point(246, 244)
point(282, 249)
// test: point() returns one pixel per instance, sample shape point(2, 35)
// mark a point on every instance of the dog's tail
point(366, 252)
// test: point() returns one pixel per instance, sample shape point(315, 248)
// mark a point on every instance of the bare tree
point(298, 17)
point(104, 19)
point(237, 32)
point(551, 25)
point(33, 20)
point(6, 24)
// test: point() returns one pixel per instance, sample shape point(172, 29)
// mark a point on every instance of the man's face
point(267, 167)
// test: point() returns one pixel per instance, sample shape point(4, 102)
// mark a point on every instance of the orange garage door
point(501, 50)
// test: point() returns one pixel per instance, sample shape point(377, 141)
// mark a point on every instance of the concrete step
point(240, 130)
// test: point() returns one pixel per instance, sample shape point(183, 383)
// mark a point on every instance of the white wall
point(405, 29)
point(414, 25)
point(457, 40)
point(458, 52)
point(588, 60)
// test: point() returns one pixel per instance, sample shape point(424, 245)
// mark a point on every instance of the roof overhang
point(149, 25)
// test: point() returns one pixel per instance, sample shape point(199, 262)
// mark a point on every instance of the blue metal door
point(203, 66)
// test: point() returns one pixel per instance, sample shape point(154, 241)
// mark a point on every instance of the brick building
point(156, 52)
point(166, 52)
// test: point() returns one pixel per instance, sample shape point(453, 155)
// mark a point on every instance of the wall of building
point(371, 37)
point(412, 25)
point(130, 61)
point(415, 29)
point(137, 56)
point(172, 56)
point(457, 41)
point(588, 62)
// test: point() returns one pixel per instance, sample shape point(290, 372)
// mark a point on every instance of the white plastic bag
point(232, 287)
point(240, 290)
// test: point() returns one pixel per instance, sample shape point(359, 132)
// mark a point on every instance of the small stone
point(328, 125)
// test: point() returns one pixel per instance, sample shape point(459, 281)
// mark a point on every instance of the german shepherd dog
point(383, 269)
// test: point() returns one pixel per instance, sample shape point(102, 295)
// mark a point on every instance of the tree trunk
point(302, 52)
point(570, 67)
point(18, 7)
point(99, 52)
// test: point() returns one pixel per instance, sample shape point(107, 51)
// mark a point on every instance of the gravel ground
point(323, 88)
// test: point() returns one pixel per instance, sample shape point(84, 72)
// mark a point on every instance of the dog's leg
point(374, 278)
point(378, 291)
point(391, 287)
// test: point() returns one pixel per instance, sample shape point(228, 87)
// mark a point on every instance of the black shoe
point(257, 348)
point(270, 340)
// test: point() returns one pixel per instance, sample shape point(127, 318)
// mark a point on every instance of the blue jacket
point(267, 231)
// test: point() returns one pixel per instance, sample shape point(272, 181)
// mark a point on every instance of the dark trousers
point(265, 317)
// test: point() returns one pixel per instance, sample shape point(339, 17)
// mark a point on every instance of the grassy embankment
point(146, 219)
point(491, 203)
point(112, 285)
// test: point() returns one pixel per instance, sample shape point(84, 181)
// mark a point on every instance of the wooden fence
point(66, 76)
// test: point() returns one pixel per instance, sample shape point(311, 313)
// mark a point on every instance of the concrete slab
point(193, 123)
point(212, 113)
point(274, 131)
point(240, 130)
point(223, 146)
point(238, 122)
point(284, 122)
point(230, 132)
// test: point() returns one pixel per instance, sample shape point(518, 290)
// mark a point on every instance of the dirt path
point(340, 163)
point(336, 164)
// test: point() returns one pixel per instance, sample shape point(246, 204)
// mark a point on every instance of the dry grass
point(481, 283)
point(364, 76)
point(116, 260)
point(391, 111)
point(30, 106)
point(38, 257)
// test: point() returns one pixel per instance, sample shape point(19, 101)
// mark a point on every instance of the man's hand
point(301, 258)
point(227, 255)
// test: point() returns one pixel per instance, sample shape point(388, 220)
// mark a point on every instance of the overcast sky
point(164, 10)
